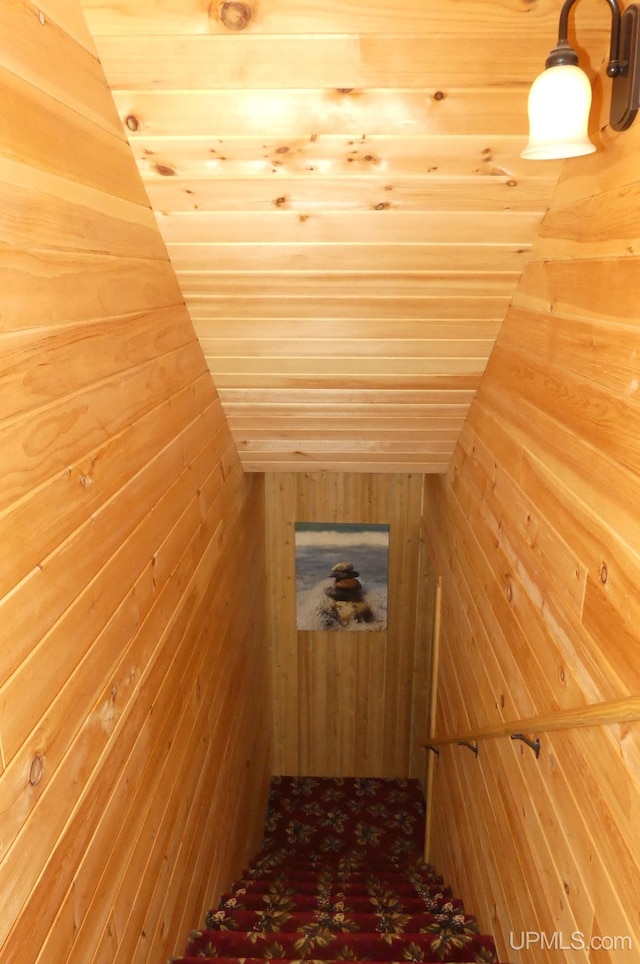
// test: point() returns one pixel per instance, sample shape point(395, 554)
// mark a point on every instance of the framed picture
point(341, 576)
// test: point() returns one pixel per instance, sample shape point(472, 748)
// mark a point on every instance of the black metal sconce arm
point(623, 65)
point(564, 53)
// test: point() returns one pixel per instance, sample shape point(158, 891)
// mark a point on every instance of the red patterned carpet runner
point(340, 877)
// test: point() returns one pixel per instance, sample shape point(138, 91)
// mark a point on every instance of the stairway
point(340, 877)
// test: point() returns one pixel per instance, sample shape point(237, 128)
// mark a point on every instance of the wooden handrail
point(624, 710)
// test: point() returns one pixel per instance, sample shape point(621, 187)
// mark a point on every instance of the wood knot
point(235, 15)
point(439, 95)
point(37, 770)
point(604, 574)
point(164, 170)
point(131, 122)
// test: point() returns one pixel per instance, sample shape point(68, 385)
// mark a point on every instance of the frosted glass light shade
point(559, 104)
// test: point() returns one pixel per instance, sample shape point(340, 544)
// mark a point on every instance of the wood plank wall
point(340, 189)
point(537, 534)
point(348, 704)
point(134, 718)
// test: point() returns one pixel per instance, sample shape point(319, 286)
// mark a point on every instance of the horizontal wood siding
point(347, 703)
point(134, 717)
point(537, 535)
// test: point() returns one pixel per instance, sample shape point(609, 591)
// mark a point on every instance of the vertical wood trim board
point(537, 534)
point(134, 697)
point(345, 703)
point(431, 712)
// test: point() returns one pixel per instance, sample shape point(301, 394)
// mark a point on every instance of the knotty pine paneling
point(191, 17)
point(350, 150)
point(178, 173)
point(348, 703)
point(134, 698)
point(537, 537)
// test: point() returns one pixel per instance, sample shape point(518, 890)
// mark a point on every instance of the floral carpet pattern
point(340, 877)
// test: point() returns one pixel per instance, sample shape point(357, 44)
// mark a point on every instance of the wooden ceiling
point(339, 187)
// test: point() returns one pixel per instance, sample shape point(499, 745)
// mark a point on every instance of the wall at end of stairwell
point(134, 717)
point(349, 703)
point(537, 533)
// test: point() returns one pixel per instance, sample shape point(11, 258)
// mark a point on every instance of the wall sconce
point(560, 97)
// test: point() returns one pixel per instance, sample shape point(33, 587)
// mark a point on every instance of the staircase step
point(271, 863)
point(309, 872)
point(340, 887)
point(260, 960)
point(446, 944)
point(392, 923)
point(351, 903)
point(391, 879)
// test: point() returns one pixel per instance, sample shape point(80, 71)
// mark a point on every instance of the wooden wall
point(538, 540)
point(134, 724)
point(348, 703)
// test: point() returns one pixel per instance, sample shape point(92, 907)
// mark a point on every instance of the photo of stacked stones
point(347, 598)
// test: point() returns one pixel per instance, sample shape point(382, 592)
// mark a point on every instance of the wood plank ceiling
point(339, 187)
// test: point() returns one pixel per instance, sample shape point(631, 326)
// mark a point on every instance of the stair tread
point(352, 903)
point(310, 872)
point(285, 960)
point(337, 921)
point(324, 946)
point(354, 890)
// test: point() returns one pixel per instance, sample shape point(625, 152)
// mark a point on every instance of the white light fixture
point(560, 98)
